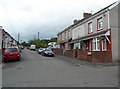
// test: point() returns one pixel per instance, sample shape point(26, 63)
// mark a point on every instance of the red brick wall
point(102, 56)
point(83, 54)
point(58, 51)
point(97, 56)
point(69, 53)
point(74, 52)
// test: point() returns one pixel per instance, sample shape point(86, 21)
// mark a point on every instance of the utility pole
point(18, 38)
point(38, 35)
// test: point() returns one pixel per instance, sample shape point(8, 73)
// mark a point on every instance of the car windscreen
point(11, 49)
point(41, 48)
point(48, 50)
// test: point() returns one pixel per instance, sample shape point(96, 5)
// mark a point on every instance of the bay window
point(104, 44)
point(77, 45)
point(96, 44)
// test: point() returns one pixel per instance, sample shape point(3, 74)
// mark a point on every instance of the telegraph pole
point(38, 35)
point(18, 38)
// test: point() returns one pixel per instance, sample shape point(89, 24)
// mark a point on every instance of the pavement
point(80, 62)
point(1, 64)
point(0, 78)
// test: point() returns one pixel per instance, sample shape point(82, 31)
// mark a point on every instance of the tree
point(53, 39)
point(42, 43)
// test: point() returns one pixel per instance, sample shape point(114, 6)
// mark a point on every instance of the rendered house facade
point(95, 37)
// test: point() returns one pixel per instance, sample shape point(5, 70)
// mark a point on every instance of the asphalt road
point(35, 70)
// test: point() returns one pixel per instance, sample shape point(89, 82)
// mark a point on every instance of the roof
point(79, 21)
point(90, 36)
point(8, 34)
point(65, 41)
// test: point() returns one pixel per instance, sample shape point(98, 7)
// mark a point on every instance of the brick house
point(63, 44)
point(95, 37)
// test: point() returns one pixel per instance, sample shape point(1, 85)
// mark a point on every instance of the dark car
point(47, 52)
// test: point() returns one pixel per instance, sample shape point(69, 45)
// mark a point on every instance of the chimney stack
point(86, 15)
point(75, 21)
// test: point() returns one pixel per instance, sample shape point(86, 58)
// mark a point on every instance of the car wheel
point(4, 61)
point(19, 59)
point(43, 54)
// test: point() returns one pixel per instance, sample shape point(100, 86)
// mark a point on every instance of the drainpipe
point(108, 18)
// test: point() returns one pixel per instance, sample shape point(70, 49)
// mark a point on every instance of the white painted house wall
point(78, 31)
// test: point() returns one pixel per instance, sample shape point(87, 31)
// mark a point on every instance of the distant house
point(52, 45)
point(93, 38)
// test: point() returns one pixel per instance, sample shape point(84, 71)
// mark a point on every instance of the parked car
point(40, 50)
point(11, 53)
point(47, 52)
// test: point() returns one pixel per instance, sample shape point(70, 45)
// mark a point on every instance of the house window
point(77, 45)
point(104, 44)
point(90, 30)
point(83, 46)
point(68, 34)
point(100, 24)
point(65, 36)
point(96, 44)
point(77, 33)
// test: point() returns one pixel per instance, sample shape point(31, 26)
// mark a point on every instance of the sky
point(48, 17)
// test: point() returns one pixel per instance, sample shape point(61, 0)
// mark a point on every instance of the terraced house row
point(6, 40)
point(93, 38)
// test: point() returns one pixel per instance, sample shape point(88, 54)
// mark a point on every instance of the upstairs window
point(100, 24)
point(90, 29)
point(77, 33)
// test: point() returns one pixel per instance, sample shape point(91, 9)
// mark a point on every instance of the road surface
point(35, 70)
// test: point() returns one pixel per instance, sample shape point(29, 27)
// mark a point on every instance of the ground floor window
point(83, 46)
point(77, 45)
point(96, 44)
point(104, 44)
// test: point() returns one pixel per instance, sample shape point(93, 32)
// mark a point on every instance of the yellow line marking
point(2, 65)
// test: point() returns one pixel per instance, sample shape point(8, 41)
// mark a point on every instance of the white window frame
point(96, 40)
point(100, 24)
point(77, 45)
point(90, 27)
point(104, 44)
point(77, 33)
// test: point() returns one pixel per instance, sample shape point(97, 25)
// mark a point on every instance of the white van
point(33, 47)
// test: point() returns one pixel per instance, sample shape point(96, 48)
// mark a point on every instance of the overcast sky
point(28, 17)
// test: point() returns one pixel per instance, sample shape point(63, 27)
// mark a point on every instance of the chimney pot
point(75, 21)
point(86, 15)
